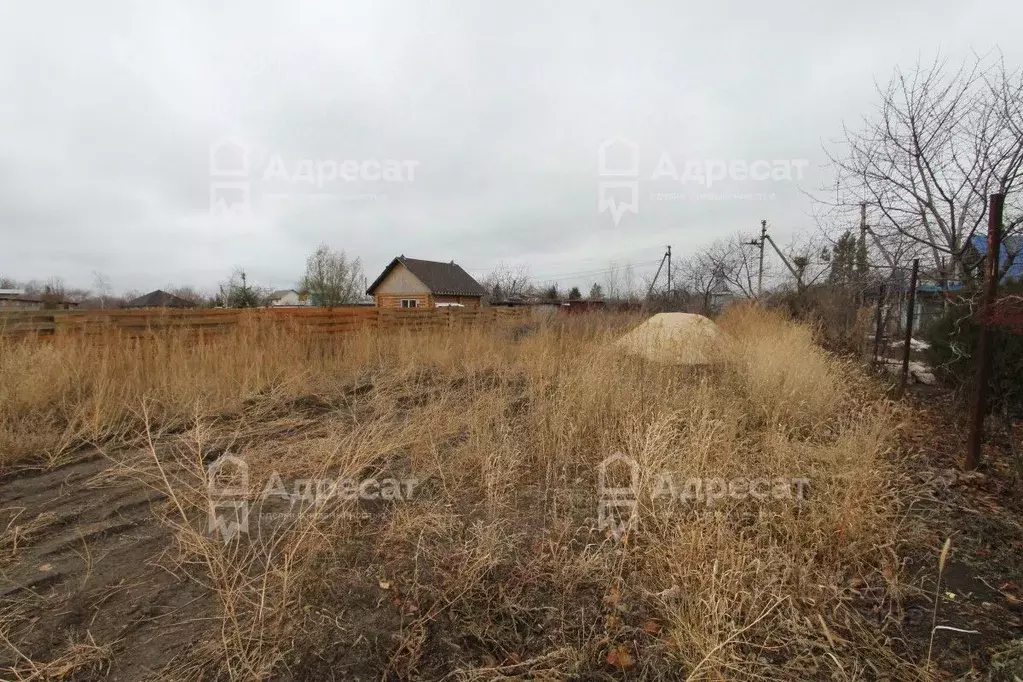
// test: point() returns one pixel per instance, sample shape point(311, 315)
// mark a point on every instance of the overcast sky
point(492, 114)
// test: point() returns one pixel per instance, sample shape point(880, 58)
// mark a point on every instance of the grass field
point(497, 566)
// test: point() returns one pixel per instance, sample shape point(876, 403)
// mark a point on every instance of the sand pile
point(675, 339)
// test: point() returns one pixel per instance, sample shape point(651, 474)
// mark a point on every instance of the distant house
point(159, 299)
point(287, 298)
point(710, 298)
point(20, 302)
point(932, 294)
point(1010, 245)
point(584, 305)
point(412, 283)
point(720, 295)
point(17, 299)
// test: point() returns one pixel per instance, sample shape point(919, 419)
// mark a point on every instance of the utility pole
point(788, 264)
point(865, 230)
point(862, 265)
point(669, 271)
point(879, 323)
point(760, 271)
point(764, 237)
point(666, 257)
point(863, 223)
point(759, 243)
point(861, 262)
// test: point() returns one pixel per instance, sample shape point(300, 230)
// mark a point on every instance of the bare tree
point(810, 256)
point(507, 282)
point(77, 295)
point(332, 278)
point(698, 278)
point(101, 285)
point(54, 292)
point(732, 262)
point(621, 283)
point(940, 142)
point(238, 292)
point(612, 283)
point(189, 293)
point(632, 286)
point(126, 297)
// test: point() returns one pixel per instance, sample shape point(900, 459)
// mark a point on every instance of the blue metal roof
point(1016, 269)
point(930, 288)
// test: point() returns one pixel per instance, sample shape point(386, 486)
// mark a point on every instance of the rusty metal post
point(910, 311)
point(880, 322)
point(984, 345)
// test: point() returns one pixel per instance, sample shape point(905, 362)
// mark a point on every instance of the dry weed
point(498, 567)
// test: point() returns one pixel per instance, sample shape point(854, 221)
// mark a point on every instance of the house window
point(409, 303)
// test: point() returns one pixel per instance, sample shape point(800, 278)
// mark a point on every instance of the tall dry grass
point(497, 566)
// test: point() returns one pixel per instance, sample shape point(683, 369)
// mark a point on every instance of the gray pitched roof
point(159, 299)
point(445, 279)
point(20, 297)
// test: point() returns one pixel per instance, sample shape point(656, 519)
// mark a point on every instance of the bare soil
point(86, 567)
point(981, 587)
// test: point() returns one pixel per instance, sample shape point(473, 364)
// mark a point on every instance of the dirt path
point(82, 584)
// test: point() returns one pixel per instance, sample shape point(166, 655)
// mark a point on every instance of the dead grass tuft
point(498, 568)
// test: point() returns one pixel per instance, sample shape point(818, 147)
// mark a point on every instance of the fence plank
point(144, 322)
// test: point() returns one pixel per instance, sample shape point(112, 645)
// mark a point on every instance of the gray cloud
point(109, 110)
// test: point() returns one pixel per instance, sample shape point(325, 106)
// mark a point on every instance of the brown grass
point(497, 569)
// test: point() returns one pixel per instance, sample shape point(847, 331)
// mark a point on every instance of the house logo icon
point(618, 488)
point(615, 470)
point(229, 178)
point(228, 476)
point(618, 158)
point(227, 484)
point(229, 157)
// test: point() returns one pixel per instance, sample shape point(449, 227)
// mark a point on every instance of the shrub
point(953, 352)
point(835, 312)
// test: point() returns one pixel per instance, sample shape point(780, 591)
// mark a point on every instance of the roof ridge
point(439, 277)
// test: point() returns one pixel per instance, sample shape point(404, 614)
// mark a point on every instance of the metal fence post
point(879, 327)
point(910, 311)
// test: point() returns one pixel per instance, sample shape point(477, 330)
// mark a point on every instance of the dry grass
point(77, 660)
point(497, 568)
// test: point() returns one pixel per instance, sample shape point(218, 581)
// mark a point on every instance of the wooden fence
point(144, 322)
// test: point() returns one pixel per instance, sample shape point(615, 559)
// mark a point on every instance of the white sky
point(108, 111)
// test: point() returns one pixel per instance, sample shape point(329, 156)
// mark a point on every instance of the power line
point(595, 271)
point(557, 264)
point(582, 273)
